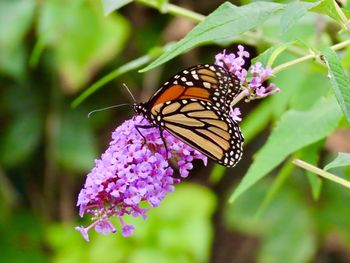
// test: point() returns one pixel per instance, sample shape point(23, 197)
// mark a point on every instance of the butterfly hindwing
point(203, 126)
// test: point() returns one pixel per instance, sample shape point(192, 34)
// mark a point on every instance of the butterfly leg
point(144, 138)
point(164, 142)
point(143, 127)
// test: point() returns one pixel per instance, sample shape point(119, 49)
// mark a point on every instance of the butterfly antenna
point(110, 107)
point(127, 88)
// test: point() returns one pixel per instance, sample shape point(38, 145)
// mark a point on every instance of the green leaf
point(295, 130)
point(75, 145)
point(111, 5)
point(293, 12)
point(298, 233)
point(343, 159)
point(346, 59)
point(339, 80)
point(276, 186)
point(217, 173)
point(327, 7)
point(16, 17)
point(305, 97)
point(346, 5)
point(60, 28)
point(225, 22)
point(333, 213)
point(20, 139)
point(257, 120)
point(269, 56)
point(311, 154)
point(290, 83)
point(27, 227)
point(131, 65)
point(285, 229)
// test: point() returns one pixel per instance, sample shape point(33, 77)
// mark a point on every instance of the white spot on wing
point(207, 85)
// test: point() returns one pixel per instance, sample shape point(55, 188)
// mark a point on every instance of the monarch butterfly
point(193, 106)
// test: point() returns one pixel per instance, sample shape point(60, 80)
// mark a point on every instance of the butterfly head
point(139, 108)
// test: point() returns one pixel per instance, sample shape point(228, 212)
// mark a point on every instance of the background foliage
point(57, 53)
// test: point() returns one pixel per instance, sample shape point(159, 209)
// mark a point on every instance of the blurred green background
point(50, 51)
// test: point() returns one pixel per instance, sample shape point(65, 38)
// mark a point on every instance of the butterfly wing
point(203, 126)
point(210, 83)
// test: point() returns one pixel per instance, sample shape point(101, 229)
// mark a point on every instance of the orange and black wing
point(203, 126)
point(209, 83)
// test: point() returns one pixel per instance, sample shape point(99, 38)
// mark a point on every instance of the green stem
point(288, 64)
point(322, 173)
point(260, 38)
point(344, 19)
point(174, 10)
point(341, 45)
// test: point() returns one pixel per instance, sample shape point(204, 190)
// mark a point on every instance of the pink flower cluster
point(257, 73)
point(131, 174)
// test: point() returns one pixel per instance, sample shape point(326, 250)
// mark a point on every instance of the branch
point(322, 173)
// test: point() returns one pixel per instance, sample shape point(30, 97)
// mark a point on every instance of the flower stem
point(240, 96)
point(322, 173)
point(288, 64)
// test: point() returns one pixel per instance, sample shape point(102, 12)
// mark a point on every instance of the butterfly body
point(193, 106)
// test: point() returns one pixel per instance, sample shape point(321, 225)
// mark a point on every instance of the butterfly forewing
point(209, 83)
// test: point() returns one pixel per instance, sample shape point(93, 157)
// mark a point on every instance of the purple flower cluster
point(257, 73)
point(134, 174)
point(131, 174)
